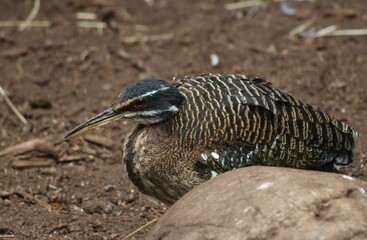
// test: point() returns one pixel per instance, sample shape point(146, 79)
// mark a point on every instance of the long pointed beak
point(101, 119)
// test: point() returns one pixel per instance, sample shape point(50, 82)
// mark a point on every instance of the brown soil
point(60, 75)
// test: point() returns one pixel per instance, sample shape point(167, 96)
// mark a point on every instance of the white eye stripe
point(151, 113)
point(156, 112)
point(155, 91)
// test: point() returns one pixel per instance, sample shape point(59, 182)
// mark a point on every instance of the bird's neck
point(129, 153)
point(142, 154)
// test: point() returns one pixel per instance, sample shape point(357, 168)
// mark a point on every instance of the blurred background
point(62, 62)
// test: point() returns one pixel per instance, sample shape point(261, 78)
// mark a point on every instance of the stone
point(269, 203)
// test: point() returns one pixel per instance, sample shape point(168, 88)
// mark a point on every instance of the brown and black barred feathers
point(241, 120)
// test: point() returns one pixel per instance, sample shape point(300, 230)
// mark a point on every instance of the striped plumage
point(248, 113)
point(198, 127)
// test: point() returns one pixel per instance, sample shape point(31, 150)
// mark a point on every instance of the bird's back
point(240, 120)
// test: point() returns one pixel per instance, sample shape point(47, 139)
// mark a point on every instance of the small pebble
point(130, 198)
point(287, 9)
point(98, 207)
point(214, 60)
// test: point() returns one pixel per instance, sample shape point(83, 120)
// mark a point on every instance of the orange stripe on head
point(123, 104)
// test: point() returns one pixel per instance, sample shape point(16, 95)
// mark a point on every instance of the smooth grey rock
point(269, 203)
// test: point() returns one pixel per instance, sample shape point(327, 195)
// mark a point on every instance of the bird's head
point(147, 101)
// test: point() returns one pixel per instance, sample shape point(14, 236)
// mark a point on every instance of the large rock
point(269, 203)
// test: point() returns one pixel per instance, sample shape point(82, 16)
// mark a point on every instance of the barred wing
point(245, 120)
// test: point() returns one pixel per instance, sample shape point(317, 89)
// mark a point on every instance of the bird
point(192, 129)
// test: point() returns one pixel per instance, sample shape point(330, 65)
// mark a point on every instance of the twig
point(18, 23)
point(343, 32)
point(14, 52)
point(294, 0)
point(71, 213)
point(151, 38)
point(31, 16)
point(12, 107)
point(72, 158)
point(101, 141)
point(325, 31)
point(141, 228)
point(86, 16)
point(7, 236)
point(21, 164)
point(23, 147)
point(301, 27)
point(59, 227)
point(344, 12)
point(86, 24)
point(245, 4)
point(136, 63)
point(32, 198)
point(97, 25)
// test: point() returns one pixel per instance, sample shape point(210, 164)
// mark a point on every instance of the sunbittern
point(200, 126)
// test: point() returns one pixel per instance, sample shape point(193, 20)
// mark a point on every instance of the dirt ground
point(59, 75)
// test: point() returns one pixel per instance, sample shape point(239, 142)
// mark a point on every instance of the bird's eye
point(140, 103)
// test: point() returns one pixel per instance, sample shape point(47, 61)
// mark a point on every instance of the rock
point(99, 207)
point(269, 203)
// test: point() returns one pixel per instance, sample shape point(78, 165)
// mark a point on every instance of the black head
point(147, 101)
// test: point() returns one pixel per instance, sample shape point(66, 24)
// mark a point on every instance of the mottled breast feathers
point(242, 120)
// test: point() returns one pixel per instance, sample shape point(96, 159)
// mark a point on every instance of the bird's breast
point(155, 164)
